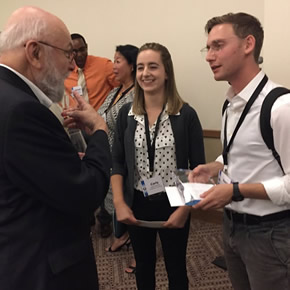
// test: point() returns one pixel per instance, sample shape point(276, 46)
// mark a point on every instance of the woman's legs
point(144, 247)
point(174, 244)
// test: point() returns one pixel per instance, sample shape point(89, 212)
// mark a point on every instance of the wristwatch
point(236, 192)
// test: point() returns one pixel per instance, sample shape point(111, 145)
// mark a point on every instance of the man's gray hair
point(17, 34)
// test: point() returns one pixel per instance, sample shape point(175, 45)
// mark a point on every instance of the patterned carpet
point(204, 245)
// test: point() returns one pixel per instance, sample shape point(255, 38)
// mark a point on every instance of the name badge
point(77, 89)
point(223, 178)
point(152, 185)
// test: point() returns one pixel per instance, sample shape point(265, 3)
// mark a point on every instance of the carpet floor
point(204, 245)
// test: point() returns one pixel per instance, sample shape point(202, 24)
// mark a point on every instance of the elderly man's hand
point(83, 117)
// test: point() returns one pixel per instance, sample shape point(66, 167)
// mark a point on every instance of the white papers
point(151, 224)
point(189, 196)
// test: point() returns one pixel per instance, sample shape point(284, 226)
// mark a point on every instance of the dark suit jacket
point(47, 195)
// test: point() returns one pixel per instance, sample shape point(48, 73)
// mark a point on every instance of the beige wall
point(213, 148)
point(277, 41)
point(180, 26)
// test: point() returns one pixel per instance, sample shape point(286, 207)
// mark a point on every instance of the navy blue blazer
point(47, 195)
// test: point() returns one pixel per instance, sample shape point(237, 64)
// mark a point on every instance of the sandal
point(127, 243)
point(130, 270)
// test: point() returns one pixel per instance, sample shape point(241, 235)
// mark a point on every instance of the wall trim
point(212, 134)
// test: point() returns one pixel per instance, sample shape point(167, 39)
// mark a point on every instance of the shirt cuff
point(276, 191)
point(220, 159)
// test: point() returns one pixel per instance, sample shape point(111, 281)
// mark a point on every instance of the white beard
point(51, 82)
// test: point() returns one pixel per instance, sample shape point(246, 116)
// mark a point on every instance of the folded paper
point(187, 194)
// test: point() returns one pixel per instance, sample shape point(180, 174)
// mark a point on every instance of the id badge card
point(152, 185)
point(77, 89)
point(223, 178)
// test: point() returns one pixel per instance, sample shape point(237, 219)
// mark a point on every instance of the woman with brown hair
point(156, 135)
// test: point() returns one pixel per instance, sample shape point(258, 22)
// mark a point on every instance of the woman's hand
point(178, 218)
point(125, 214)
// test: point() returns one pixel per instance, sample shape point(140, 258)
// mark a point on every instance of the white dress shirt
point(249, 159)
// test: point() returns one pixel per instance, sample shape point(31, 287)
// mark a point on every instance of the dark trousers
point(258, 255)
point(173, 241)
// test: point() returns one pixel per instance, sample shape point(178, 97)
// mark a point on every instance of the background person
point(96, 72)
point(125, 71)
point(254, 190)
point(47, 193)
point(95, 76)
point(159, 114)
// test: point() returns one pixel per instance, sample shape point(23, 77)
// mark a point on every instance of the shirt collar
point(140, 118)
point(76, 69)
point(131, 113)
point(248, 90)
point(43, 99)
point(87, 65)
point(240, 99)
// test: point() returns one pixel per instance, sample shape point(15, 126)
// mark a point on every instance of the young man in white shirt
point(253, 187)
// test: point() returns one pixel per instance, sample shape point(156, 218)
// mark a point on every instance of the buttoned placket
point(82, 84)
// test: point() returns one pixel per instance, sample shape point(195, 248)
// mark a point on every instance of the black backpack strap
point(265, 117)
point(225, 105)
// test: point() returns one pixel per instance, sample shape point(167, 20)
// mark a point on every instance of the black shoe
point(127, 243)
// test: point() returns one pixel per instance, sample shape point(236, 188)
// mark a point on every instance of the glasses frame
point(217, 45)
point(213, 48)
point(69, 53)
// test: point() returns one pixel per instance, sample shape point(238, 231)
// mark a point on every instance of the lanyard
point(116, 94)
point(151, 146)
point(226, 147)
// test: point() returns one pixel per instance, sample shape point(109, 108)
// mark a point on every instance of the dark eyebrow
point(150, 63)
point(215, 42)
point(218, 41)
point(222, 40)
point(153, 63)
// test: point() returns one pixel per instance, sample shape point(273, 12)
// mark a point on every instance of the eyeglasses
point(69, 53)
point(216, 46)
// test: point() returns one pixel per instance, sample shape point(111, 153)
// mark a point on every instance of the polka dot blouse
point(165, 156)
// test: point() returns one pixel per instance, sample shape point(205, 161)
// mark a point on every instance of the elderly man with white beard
point(47, 193)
